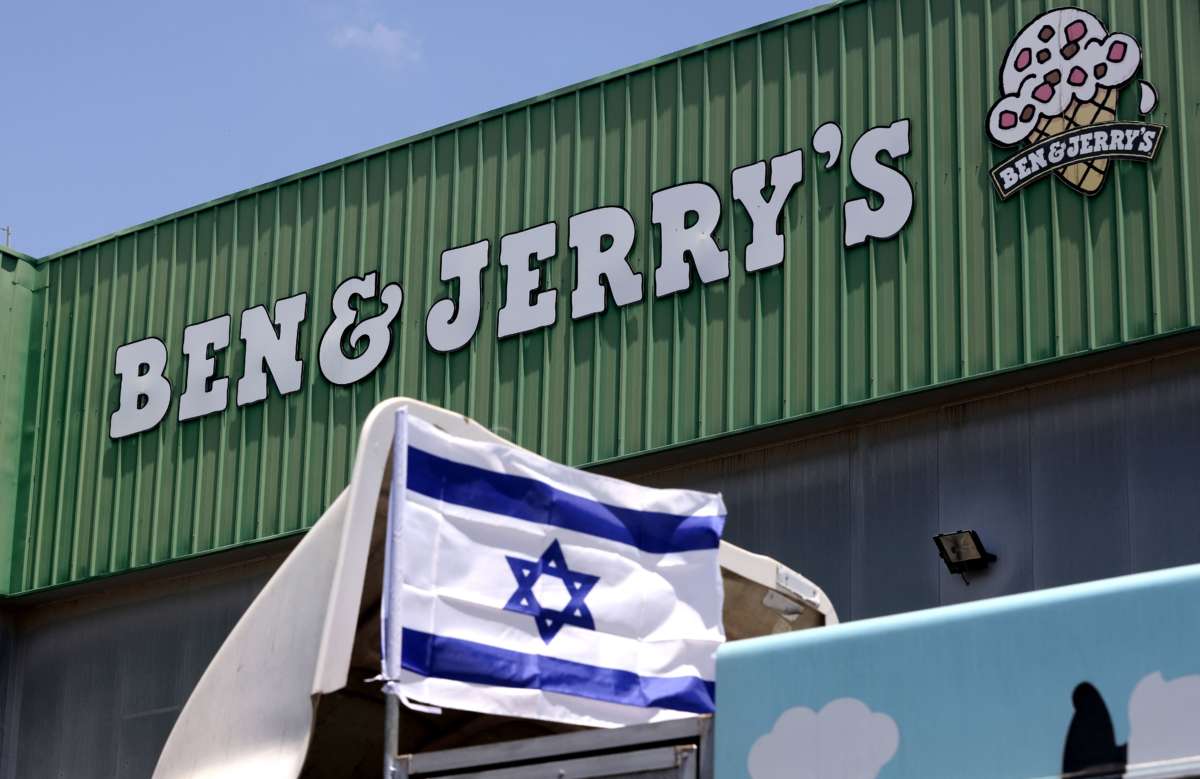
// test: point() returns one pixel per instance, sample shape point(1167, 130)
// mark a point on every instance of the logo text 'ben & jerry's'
point(1060, 82)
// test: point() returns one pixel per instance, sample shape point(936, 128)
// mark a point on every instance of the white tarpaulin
point(518, 586)
point(252, 713)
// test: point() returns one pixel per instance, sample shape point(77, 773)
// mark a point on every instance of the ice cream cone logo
point(1059, 86)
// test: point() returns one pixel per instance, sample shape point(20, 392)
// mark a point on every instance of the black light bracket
point(962, 551)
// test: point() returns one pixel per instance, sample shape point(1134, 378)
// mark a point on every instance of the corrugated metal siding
point(1084, 478)
point(971, 286)
point(94, 684)
point(19, 279)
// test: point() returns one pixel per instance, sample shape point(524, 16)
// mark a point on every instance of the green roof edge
point(9, 251)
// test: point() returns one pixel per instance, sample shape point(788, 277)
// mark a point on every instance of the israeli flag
point(521, 587)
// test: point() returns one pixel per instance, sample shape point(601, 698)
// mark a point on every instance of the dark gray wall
point(7, 645)
point(94, 683)
point(1084, 478)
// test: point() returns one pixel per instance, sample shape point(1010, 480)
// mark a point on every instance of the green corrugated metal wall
point(971, 286)
point(19, 281)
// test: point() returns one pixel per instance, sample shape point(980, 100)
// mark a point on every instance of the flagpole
point(391, 736)
point(389, 632)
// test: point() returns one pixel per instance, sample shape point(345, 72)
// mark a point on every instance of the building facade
point(810, 265)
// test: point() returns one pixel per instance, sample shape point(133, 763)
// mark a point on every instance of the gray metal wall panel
point(1164, 463)
point(984, 482)
point(896, 470)
point(97, 686)
point(1084, 478)
point(1080, 482)
point(7, 714)
point(811, 504)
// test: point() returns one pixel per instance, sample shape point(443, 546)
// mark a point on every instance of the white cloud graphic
point(844, 740)
point(1164, 719)
point(391, 44)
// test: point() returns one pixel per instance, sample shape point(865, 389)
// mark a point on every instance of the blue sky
point(118, 112)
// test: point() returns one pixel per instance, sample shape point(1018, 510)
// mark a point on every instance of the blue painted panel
point(1026, 686)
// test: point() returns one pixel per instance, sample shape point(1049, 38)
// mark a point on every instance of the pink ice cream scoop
point(1060, 58)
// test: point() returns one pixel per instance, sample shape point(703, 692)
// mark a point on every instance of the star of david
point(550, 621)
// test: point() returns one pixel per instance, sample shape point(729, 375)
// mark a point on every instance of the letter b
point(145, 393)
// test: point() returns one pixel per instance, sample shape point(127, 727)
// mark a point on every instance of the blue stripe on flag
point(467, 661)
point(523, 498)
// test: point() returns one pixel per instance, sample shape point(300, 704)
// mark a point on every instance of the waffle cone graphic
point(1088, 176)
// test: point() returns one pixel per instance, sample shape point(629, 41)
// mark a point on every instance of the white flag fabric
point(521, 587)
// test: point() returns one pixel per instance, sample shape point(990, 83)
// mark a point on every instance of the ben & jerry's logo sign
point(1060, 82)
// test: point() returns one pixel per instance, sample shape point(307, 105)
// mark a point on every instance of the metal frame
point(682, 743)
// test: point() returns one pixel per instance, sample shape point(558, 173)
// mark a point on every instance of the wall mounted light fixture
point(963, 551)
